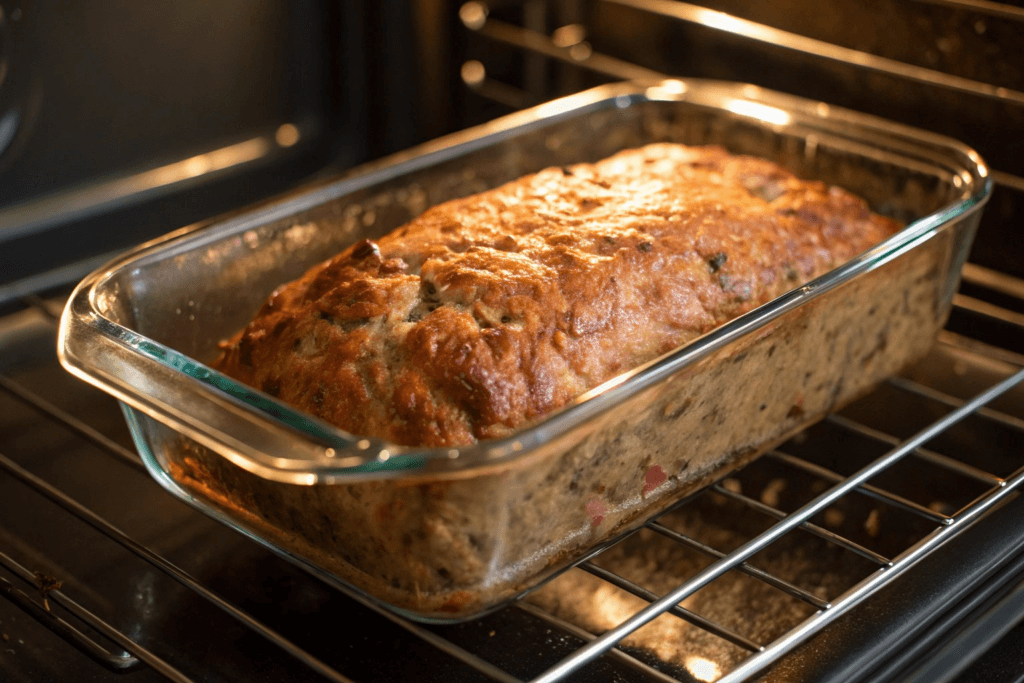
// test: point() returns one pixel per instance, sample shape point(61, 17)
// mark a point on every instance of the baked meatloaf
point(487, 312)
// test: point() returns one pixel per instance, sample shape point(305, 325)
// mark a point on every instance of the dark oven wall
point(120, 121)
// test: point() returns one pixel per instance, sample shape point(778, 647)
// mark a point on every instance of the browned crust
point(489, 311)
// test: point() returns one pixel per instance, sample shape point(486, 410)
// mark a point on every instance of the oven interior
point(109, 137)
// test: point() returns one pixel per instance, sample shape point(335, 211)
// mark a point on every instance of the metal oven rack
point(909, 489)
point(82, 617)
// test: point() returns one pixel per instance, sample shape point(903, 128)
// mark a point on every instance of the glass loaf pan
point(446, 534)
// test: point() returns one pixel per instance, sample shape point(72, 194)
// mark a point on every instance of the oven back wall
point(113, 105)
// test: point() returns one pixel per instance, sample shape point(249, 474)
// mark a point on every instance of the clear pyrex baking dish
point(448, 533)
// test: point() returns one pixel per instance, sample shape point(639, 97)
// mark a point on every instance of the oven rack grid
point(540, 44)
point(43, 590)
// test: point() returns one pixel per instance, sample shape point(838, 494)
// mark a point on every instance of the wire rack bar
point(109, 660)
point(745, 567)
point(502, 93)
point(175, 572)
point(595, 648)
point(1010, 180)
point(613, 67)
point(769, 35)
point(966, 509)
point(868, 489)
point(677, 611)
point(525, 39)
point(944, 461)
point(991, 414)
point(586, 636)
point(993, 279)
point(95, 622)
point(969, 303)
point(980, 348)
point(996, 9)
point(858, 593)
point(101, 525)
point(71, 422)
point(57, 277)
point(107, 529)
point(713, 19)
point(516, 98)
point(609, 66)
point(814, 529)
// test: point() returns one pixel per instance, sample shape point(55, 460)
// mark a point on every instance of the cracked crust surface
point(489, 311)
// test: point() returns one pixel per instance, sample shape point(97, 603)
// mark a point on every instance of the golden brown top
point(489, 311)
